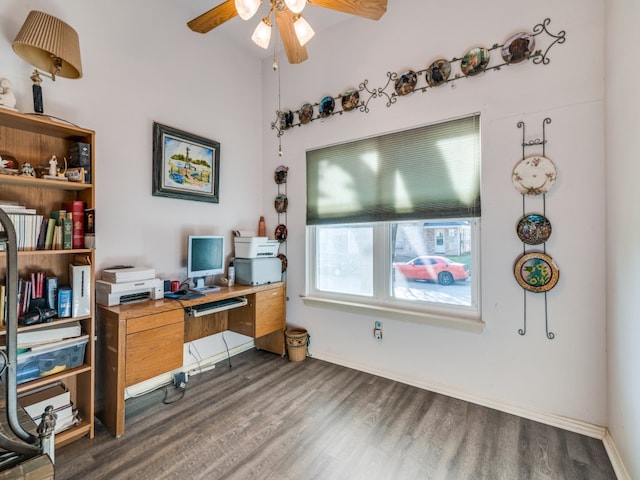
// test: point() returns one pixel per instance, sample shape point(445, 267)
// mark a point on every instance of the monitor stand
point(200, 287)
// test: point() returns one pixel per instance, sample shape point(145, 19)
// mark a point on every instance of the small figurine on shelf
point(27, 170)
point(53, 166)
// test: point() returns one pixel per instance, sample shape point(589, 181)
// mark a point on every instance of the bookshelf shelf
point(34, 139)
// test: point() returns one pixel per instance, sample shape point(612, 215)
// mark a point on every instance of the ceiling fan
point(294, 30)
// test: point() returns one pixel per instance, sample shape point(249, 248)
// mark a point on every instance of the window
point(393, 222)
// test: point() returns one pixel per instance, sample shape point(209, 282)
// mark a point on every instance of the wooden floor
point(267, 418)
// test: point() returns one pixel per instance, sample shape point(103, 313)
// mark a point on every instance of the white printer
point(109, 294)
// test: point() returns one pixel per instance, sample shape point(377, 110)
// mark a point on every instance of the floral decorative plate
point(518, 47)
point(406, 82)
point(438, 72)
point(286, 119)
point(281, 233)
point(281, 203)
point(536, 272)
point(534, 229)
point(350, 99)
point(534, 175)
point(305, 113)
point(327, 104)
point(475, 61)
point(280, 175)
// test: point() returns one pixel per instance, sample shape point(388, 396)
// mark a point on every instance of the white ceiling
point(239, 31)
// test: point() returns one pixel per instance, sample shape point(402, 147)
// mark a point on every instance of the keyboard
point(216, 306)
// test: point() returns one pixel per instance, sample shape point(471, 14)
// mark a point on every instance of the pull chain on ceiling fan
point(294, 29)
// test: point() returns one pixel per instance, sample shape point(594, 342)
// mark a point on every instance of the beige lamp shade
point(49, 44)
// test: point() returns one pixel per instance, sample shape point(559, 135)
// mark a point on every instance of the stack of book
point(57, 396)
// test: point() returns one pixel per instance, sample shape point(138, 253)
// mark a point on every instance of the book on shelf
point(51, 227)
point(51, 292)
point(42, 233)
point(76, 209)
point(67, 232)
point(64, 301)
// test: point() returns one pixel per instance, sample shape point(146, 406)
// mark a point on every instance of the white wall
point(565, 376)
point(142, 64)
point(623, 230)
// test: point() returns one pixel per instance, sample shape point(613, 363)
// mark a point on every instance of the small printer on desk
point(258, 271)
point(110, 294)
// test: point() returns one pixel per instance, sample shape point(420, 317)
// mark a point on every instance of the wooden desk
point(140, 341)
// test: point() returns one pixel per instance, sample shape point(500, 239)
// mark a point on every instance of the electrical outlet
point(180, 380)
point(377, 330)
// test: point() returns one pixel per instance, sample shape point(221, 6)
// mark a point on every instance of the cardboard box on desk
point(258, 271)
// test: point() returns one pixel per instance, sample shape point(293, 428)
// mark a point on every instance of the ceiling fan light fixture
point(304, 32)
point(247, 8)
point(262, 34)
point(296, 6)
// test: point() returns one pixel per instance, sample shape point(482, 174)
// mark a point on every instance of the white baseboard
point(614, 456)
point(208, 363)
point(572, 425)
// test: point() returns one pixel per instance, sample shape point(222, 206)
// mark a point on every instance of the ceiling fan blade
point(296, 53)
point(372, 9)
point(214, 17)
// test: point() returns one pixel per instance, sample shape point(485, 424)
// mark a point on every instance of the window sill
point(446, 321)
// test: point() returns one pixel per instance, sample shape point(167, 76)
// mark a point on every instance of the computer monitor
point(205, 257)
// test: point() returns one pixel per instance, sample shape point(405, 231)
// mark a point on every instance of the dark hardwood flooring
point(271, 419)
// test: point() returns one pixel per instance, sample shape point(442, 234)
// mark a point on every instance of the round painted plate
point(281, 233)
point(534, 175)
point(305, 113)
point(350, 99)
point(327, 104)
point(281, 203)
point(406, 82)
point(286, 119)
point(285, 262)
point(533, 229)
point(475, 61)
point(536, 272)
point(438, 72)
point(518, 47)
point(280, 175)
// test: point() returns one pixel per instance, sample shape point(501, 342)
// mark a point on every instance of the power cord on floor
point(227, 347)
point(182, 389)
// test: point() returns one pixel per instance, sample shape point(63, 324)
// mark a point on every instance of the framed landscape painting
point(185, 166)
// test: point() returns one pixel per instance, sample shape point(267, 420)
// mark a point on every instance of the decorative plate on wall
point(285, 262)
point(327, 104)
point(305, 113)
point(536, 272)
point(281, 203)
point(280, 175)
point(350, 99)
point(475, 61)
point(406, 82)
point(281, 233)
point(518, 47)
point(534, 229)
point(438, 72)
point(534, 175)
point(286, 119)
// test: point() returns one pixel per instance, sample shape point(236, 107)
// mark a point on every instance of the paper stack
point(128, 274)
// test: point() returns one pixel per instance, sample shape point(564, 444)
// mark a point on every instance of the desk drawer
point(270, 309)
point(153, 346)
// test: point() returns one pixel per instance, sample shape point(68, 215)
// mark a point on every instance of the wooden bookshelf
point(34, 139)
